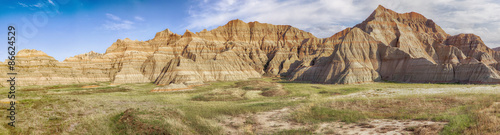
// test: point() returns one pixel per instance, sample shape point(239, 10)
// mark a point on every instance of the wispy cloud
point(51, 2)
point(22, 4)
point(138, 18)
point(124, 25)
point(38, 5)
point(323, 18)
point(112, 17)
point(47, 6)
point(116, 23)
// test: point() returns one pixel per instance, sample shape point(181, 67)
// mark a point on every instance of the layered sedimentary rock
point(386, 46)
point(34, 67)
point(355, 60)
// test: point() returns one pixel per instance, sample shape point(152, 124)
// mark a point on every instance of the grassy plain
point(133, 109)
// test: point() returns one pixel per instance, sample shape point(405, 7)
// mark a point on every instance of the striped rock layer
point(387, 46)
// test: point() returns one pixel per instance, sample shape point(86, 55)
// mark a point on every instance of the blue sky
point(64, 28)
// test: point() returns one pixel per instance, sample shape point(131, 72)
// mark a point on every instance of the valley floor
point(256, 106)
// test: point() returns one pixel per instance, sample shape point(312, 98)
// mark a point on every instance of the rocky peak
point(31, 53)
point(188, 34)
point(165, 35)
point(123, 40)
point(86, 56)
point(235, 23)
point(33, 57)
point(414, 20)
point(470, 44)
point(381, 14)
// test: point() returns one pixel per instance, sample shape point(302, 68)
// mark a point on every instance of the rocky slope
point(386, 46)
point(496, 49)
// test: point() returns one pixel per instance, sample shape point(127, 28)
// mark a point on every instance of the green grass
point(460, 119)
point(221, 95)
point(340, 91)
point(306, 89)
point(317, 114)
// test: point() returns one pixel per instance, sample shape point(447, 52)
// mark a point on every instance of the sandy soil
point(277, 120)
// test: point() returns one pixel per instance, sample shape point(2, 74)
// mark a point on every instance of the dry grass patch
point(255, 85)
point(99, 90)
point(488, 121)
point(135, 121)
point(274, 92)
point(238, 91)
point(161, 121)
point(231, 94)
point(269, 89)
point(90, 86)
point(41, 88)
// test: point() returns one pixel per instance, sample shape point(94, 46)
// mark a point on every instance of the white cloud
point(38, 5)
point(51, 2)
point(122, 25)
point(113, 17)
point(116, 23)
point(22, 4)
point(324, 18)
point(48, 6)
point(138, 18)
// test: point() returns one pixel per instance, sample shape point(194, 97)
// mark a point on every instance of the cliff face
point(386, 46)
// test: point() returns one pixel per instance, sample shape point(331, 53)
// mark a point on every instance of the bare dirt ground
point(277, 120)
point(382, 126)
point(260, 123)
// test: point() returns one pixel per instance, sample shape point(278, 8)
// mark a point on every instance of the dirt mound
point(274, 92)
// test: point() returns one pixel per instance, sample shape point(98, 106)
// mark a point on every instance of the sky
point(64, 28)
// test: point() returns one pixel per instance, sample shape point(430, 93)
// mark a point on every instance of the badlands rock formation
point(496, 49)
point(386, 46)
